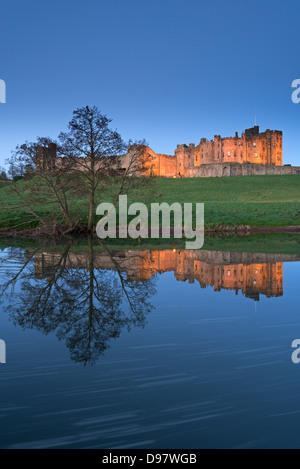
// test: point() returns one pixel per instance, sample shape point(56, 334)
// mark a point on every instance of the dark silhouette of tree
point(85, 305)
point(92, 163)
point(95, 151)
point(55, 188)
point(3, 175)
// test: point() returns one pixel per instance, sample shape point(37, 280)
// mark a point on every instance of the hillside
point(257, 201)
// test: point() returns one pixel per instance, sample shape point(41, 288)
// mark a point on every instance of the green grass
point(256, 201)
point(249, 200)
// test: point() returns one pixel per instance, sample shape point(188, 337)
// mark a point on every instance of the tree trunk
point(92, 187)
point(91, 209)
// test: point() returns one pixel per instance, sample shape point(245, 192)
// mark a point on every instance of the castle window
point(228, 153)
point(255, 155)
point(228, 273)
point(254, 144)
point(235, 153)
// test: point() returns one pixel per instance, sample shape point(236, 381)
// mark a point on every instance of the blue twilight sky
point(169, 71)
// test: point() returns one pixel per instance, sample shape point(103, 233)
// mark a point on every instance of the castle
point(252, 147)
point(252, 153)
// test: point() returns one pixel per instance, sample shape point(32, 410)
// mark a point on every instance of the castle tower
point(46, 157)
point(263, 148)
point(184, 158)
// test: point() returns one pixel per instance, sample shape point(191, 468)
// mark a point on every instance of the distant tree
point(17, 178)
point(51, 188)
point(3, 176)
point(16, 166)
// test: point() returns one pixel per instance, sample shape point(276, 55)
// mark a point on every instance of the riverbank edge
point(61, 231)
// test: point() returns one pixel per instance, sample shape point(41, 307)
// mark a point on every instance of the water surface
point(148, 349)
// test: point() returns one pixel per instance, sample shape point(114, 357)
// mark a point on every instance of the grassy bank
point(256, 201)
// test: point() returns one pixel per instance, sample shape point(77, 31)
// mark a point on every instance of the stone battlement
point(253, 152)
point(252, 147)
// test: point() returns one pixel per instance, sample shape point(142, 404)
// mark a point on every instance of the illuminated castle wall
point(252, 153)
point(252, 147)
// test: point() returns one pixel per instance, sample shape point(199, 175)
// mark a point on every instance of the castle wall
point(238, 169)
point(252, 147)
point(253, 153)
point(208, 152)
point(158, 165)
point(233, 150)
point(167, 166)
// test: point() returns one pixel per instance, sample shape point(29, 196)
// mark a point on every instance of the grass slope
point(256, 201)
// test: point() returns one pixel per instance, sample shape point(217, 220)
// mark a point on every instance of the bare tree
point(53, 185)
point(97, 153)
point(93, 160)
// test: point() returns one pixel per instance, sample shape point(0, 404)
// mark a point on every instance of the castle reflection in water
point(252, 274)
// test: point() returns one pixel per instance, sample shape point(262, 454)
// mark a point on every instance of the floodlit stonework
point(252, 153)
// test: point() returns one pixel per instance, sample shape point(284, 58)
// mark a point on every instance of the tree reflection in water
point(86, 306)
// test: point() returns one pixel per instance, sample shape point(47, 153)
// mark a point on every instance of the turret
point(46, 157)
